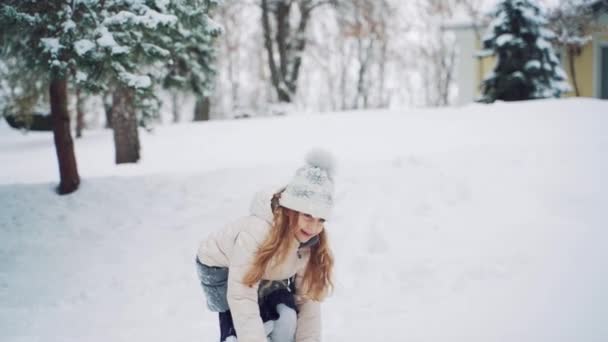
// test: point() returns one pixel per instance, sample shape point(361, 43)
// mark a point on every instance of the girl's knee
point(285, 326)
point(286, 313)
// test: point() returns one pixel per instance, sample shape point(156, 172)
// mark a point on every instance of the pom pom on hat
point(323, 159)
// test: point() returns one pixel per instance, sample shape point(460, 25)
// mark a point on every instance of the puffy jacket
point(234, 247)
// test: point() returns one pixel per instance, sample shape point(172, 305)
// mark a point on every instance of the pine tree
point(39, 37)
point(192, 64)
point(141, 44)
point(117, 46)
point(527, 66)
point(129, 46)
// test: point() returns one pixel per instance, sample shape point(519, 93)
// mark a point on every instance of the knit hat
point(311, 190)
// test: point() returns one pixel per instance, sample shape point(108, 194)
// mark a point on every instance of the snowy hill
point(481, 223)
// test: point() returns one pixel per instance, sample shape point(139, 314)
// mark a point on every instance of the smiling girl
point(267, 273)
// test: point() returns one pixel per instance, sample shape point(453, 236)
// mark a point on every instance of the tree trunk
point(107, 106)
point(299, 46)
point(124, 124)
point(64, 145)
point(175, 106)
point(364, 54)
point(233, 78)
point(79, 114)
point(283, 35)
point(278, 81)
point(383, 97)
point(571, 54)
point(345, 65)
point(447, 68)
point(202, 109)
point(290, 46)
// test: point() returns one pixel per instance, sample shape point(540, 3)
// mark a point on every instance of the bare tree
point(284, 24)
point(437, 52)
point(328, 55)
point(229, 14)
point(242, 85)
point(361, 21)
point(359, 53)
point(364, 31)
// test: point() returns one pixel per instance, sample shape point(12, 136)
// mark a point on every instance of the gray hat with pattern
point(311, 190)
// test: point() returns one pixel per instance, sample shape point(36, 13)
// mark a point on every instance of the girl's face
point(307, 227)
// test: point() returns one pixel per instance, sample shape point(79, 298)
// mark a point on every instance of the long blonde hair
point(317, 281)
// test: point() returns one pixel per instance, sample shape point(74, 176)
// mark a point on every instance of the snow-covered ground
point(481, 223)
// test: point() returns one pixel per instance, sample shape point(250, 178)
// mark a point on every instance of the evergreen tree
point(192, 63)
point(140, 44)
point(117, 46)
point(527, 66)
point(129, 46)
point(40, 36)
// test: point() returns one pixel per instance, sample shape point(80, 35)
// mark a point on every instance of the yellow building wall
point(485, 65)
point(583, 69)
point(584, 66)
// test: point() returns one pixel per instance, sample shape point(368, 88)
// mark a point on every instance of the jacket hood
point(260, 205)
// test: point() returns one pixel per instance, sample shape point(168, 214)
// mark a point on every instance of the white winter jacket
point(234, 247)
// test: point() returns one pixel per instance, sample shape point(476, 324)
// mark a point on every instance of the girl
point(267, 273)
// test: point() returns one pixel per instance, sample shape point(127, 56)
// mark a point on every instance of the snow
point(120, 18)
point(82, 46)
point(58, 64)
point(81, 76)
point(51, 45)
point(518, 74)
point(484, 53)
point(532, 15)
point(213, 26)
point(118, 50)
point(69, 25)
point(561, 73)
point(481, 223)
point(162, 4)
point(504, 39)
point(547, 33)
point(532, 64)
point(136, 81)
point(500, 20)
point(575, 40)
point(543, 44)
point(150, 18)
point(106, 40)
point(155, 49)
